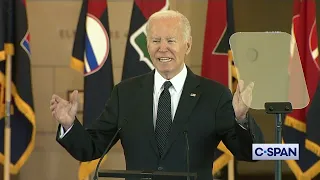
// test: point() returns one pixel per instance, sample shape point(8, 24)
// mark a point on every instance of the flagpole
point(230, 84)
point(7, 140)
point(231, 169)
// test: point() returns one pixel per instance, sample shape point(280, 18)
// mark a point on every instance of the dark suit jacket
point(208, 118)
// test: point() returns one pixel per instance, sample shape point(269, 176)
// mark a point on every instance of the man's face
point(166, 46)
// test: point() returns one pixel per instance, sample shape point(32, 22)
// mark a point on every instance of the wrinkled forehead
point(165, 26)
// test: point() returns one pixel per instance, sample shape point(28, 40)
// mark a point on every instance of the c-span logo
point(275, 151)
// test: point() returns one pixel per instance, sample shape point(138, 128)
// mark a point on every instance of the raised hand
point(64, 111)
point(242, 99)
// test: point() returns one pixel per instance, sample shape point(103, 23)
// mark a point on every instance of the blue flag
point(14, 42)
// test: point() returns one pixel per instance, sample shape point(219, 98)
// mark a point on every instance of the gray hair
point(184, 22)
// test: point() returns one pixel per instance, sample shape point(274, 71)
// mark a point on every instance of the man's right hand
point(64, 111)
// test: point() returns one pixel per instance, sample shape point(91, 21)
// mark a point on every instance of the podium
point(145, 175)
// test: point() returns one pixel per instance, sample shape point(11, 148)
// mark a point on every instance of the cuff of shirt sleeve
point(62, 131)
point(244, 123)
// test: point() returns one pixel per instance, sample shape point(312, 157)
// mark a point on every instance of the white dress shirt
point(175, 91)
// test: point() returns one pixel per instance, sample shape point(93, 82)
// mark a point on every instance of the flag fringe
point(28, 112)
point(313, 147)
point(295, 123)
point(77, 64)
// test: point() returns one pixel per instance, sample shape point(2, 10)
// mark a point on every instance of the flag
point(14, 41)
point(313, 122)
point(304, 35)
point(91, 56)
point(2, 28)
point(217, 61)
point(137, 60)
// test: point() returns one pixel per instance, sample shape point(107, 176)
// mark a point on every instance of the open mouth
point(165, 59)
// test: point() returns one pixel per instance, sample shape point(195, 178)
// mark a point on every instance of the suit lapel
point(145, 111)
point(188, 100)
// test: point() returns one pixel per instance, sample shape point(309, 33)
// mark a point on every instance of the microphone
point(187, 152)
point(95, 177)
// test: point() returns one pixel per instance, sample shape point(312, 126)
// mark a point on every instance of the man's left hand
point(242, 100)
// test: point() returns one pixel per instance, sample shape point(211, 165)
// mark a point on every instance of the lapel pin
point(193, 94)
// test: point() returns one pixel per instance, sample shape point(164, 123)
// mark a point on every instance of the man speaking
point(163, 111)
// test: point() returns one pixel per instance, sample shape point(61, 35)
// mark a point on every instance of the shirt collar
point(177, 81)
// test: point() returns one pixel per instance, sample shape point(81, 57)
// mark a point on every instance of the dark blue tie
point(164, 118)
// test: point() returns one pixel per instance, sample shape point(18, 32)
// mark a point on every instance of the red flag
point(313, 115)
point(216, 46)
point(217, 57)
point(304, 31)
point(304, 34)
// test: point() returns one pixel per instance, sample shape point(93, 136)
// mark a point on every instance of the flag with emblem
point(137, 60)
point(296, 124)
point(217, 63)
point(91, 56)
point(14, 43)
point(313, 120)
